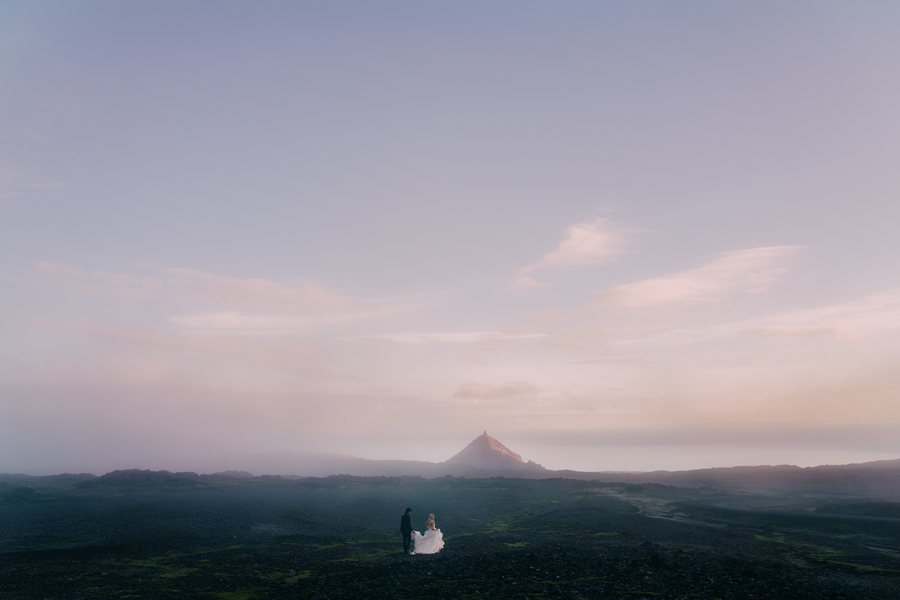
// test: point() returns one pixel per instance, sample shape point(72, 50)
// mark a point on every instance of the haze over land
point(487, 458)
point(511, 528)
point(616, 237)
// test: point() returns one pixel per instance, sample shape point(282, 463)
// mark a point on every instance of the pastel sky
point(615, 235)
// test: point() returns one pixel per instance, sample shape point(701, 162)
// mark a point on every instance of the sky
point(615, 235)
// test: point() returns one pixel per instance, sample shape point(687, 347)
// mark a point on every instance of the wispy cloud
point(834, 331)
point(293, 355)
point(526, 282)
point(483, 391)
point(171, 286)
point(750, 271)
point(585, 244)
point(18, 180)
point(206, 301)
point(878, 313)
point(866, 316)
point(235, 322)
point(447, 337)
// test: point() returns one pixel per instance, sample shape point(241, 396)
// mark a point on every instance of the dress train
point(430, 543)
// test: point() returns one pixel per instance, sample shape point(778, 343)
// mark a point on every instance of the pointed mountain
point(484, 452)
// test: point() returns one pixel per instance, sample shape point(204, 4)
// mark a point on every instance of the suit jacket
point(405, 525)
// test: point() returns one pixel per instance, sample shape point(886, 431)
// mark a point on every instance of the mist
point(619, 239)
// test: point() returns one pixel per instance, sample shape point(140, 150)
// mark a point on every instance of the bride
point(431, 542)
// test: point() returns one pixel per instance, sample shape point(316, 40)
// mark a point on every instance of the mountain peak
point(485, 452)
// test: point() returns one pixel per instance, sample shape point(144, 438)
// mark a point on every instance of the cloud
point(588, 243)
point(448, 337)
point(235, 322)
point(585, 244)
point(18, 180)
point(878, 313)
point(750, 271)
point(297, 356)
point(525, 282)
point(206, 301)
point(482, 391)
point(188, 287)
point(872, 314)
point(838, 332)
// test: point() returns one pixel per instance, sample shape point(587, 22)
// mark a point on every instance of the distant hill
point(487, 457)
point(39, 481)
point(137, 479)
point(486, 453)
point(889, 510)
point(874, 479)
point(234, 474)
point(144, 479)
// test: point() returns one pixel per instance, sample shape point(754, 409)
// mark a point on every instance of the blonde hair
point(430, 519)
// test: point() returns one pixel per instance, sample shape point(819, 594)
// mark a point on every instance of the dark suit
point(405, 531)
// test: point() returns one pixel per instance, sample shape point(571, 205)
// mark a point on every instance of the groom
point(406, 530)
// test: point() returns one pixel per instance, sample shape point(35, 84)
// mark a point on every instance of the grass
point(337, 544)
point(292, 579)
point(821, 554)
point(499, 524)
point(174, 572)
point(241, 594)
point(301, 554)
point(371, 555)
point(780, 539)
point(866, 568)
point(298, 513)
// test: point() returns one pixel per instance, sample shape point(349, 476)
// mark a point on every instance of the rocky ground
point(505, 538)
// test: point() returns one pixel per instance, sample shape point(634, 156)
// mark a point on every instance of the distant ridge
point(485, 457)
point(137, 479)
point(485, 452)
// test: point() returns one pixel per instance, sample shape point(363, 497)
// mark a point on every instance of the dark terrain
point(141, 534)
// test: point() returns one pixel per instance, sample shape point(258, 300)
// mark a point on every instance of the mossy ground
point(338, 537)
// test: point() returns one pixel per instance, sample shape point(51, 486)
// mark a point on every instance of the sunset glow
point(615, 238)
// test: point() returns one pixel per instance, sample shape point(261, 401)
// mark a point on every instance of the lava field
point(338, 537)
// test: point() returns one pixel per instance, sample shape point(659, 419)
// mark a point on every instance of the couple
point(430, 543)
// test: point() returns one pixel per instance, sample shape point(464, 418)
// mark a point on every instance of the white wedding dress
point(430, 543)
